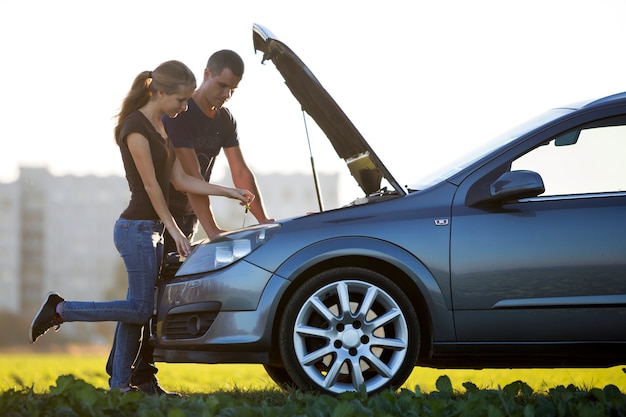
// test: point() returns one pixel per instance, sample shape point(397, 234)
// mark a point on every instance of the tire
point(279, 375)
point(348, 328)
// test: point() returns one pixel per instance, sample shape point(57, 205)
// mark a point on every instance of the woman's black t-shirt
point(140, 207)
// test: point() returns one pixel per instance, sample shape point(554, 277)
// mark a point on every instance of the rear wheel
point(348, 328)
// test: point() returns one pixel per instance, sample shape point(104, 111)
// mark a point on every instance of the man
point(198, 136)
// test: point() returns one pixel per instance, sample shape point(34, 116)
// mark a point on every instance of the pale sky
point(422, 80)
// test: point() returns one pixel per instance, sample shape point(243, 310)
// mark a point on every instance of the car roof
point(619, 98)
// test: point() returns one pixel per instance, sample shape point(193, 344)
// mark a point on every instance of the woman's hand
point(244, 196)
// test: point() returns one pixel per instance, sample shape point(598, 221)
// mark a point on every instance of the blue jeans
point(144, 369)
point(140, 244)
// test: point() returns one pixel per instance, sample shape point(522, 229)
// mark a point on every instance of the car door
point(553, 267)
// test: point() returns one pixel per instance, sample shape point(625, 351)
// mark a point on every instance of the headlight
point(227, 249)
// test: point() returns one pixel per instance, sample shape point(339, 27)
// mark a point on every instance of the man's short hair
point(223, 59)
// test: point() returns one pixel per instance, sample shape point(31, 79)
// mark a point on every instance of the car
point(514, 256)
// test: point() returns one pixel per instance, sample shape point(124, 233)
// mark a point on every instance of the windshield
point(447, 170)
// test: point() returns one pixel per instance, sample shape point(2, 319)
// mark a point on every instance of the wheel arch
point(380, 256)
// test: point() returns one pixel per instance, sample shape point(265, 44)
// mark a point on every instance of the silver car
point(512, 257)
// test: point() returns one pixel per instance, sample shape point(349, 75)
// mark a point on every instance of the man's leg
point(144, 370)
point(109, 366)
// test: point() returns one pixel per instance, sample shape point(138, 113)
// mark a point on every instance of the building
point(10, 241)
point(284, 196)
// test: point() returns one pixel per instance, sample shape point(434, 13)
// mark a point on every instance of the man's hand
point(183, 246)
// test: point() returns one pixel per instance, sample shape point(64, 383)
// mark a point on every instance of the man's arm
point(244, 178)
point(199, 203)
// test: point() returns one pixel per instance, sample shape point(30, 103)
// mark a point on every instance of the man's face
point(220, 87)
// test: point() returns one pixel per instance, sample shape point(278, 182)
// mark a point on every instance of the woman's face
point(173, 104)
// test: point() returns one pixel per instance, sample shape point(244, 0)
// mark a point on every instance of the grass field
point(40, 371)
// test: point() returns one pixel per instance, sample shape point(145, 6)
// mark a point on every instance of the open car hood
point(364, 164)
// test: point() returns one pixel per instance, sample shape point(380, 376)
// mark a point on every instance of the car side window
point(590, 160)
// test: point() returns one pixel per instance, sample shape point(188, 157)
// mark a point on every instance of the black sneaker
point(46, 318)
point(154, 388)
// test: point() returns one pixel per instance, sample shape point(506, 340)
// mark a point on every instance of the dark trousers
point(144, 370)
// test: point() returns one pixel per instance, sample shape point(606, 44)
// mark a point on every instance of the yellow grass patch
point(40, 371)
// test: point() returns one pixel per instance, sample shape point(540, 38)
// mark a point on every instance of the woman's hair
point(167, 78)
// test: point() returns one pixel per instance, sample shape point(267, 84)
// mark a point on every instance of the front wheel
point(348, 328)
point(280, 376)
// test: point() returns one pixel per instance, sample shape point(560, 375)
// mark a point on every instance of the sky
point(423, 81)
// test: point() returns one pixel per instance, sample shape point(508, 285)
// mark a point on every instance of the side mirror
point(514, 185)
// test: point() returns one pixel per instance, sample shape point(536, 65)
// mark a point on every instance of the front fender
point(366, 247)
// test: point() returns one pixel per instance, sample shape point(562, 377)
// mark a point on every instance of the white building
point(10, 241)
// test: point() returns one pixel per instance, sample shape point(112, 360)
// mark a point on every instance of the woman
point(150, 164)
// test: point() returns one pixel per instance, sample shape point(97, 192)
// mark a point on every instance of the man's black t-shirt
point(206, 136)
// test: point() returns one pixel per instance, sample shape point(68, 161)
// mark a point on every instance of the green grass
point(40, 372)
